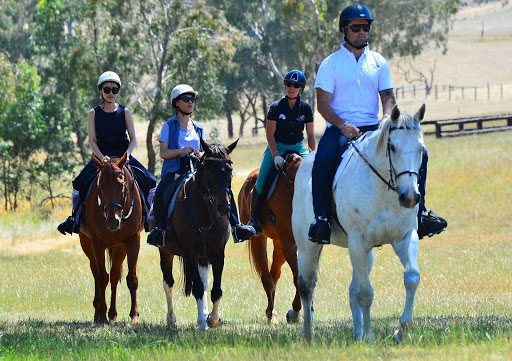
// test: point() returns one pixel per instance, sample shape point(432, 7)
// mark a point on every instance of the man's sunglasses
point(186, 99)
point(357, 27)
point(290, 84)
point(107, 90)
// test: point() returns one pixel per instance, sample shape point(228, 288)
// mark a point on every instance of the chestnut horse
point(275, 224)
point(197, 231)
point(113, 221)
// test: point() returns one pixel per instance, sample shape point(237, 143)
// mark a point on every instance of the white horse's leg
point(307, 262)
point(407, 251)
point(357, 313)
point(362, 291)
point(202, 303)
point(171, 317)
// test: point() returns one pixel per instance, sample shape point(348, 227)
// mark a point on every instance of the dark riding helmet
point(296, 76)
point(354, 12)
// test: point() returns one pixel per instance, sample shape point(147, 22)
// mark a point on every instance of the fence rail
point(469, 125)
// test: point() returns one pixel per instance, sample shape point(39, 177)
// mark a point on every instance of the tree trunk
point(230, 123)
point(80, 138)
point(242, 123)
point(265, 109)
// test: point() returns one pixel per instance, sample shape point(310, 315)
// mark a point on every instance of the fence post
point(479, 124)
point(509, 122)
point(438, 130)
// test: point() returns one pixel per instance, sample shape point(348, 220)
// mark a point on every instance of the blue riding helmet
point(295, 76)
point(354, 12)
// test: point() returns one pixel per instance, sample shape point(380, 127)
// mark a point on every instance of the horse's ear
point(205, 146)
point(97, 162)
point(122, 161)
point(232, 146)
point(418, 117)
point(395, 113)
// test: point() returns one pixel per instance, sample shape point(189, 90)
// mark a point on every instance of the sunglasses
point(186, 99)
point(107, 90)
point(357, 27)
point(290, 84)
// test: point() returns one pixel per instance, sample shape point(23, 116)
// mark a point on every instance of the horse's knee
point(132, 281)
point(306, 288)
point(411, 279)
point(364, 297)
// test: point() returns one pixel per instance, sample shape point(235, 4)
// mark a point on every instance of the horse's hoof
point(171, 320)
point(213, 323)
point(292, 316)
point(203, 326)
point(274, 321)
point(135, 320)
point(398, 336)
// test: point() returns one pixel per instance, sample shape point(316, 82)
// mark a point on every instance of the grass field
point(462, 308)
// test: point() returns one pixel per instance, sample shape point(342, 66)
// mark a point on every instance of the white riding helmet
point(109, 76)
point(181, 89)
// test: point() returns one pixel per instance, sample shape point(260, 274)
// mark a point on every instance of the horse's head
point(404, 149)
point(214, 175)
point(112, 190)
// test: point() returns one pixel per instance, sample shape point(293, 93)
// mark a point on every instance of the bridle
point(208, 195)
point(113, 204)
point(392, 172)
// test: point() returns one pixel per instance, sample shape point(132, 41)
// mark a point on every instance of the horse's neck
point(377, 157)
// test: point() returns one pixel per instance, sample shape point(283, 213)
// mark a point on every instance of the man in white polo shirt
point(348, 85)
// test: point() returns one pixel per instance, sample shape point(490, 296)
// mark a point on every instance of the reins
point(391, 183)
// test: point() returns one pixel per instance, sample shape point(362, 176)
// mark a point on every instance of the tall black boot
point(256, 204)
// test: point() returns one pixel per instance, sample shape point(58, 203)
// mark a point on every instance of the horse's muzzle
point(113, 222)
point(409, 199)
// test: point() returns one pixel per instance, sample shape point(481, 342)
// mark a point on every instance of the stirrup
point(320, 231)
point(431, 224)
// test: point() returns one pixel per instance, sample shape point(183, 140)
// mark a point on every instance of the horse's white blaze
point(370, 214)
point(171, 317)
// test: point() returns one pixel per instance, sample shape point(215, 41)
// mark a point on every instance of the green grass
point(462, 308)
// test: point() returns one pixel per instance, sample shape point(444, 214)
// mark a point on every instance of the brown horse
point(198, 230)
point(113, 221)
point(275, 224)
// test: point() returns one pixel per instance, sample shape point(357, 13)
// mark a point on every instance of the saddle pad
point(176, 191)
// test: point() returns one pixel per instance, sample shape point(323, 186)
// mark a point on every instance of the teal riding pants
point(268, 161)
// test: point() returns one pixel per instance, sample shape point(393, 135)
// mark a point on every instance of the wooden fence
point(468, 126)
point(449, 92)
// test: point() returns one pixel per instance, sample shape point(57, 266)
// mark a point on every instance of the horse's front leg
point(198, 290)
point(86, 244)
point(290, 255)
point(361, 291)
point(357, 312)
point(307, 264)
point(407, 251)
point(132, 245)
point(204, 272)
point(117, 257)
point(214, 319)
point(101, 281)
point(166, 260)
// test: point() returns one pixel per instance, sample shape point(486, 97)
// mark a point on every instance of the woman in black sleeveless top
point(111, 134)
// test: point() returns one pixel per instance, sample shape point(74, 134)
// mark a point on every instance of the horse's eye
point(392, 147)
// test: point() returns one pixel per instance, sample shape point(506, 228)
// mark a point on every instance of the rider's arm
point(166, 153)
point(91, 127)
point(310, 131)
point(130, 127)
point(388, 101)
point(323, 99)
point(270, 130)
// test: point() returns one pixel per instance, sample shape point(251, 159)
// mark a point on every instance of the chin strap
point(105, 100)
point(357, 47)
point(182, 112)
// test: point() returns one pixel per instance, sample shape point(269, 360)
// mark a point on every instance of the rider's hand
point(278, 162)
point(105, 159)
point(350, 131)
point(187, 150)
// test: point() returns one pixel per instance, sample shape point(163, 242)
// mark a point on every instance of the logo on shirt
point(301, 118)
point(282, 116)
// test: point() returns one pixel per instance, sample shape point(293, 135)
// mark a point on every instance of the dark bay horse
point(198, 230)
point(279, 209)
point(113, 221)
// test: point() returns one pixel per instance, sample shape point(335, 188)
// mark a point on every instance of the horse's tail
point(188, 274)
point(258, 253)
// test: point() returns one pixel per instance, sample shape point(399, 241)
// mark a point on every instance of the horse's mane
point(218, 151)
point(405, 121)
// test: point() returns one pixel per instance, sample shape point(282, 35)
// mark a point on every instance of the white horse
point(371, 212)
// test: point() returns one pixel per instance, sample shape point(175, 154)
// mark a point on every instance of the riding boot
point(256, 205)
point(320, 231)
point(71, 224)
point(239, 231)
point(156, 237)
point(430, 224)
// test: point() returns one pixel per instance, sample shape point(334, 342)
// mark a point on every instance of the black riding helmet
point(296, 76)
point(354, 12)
